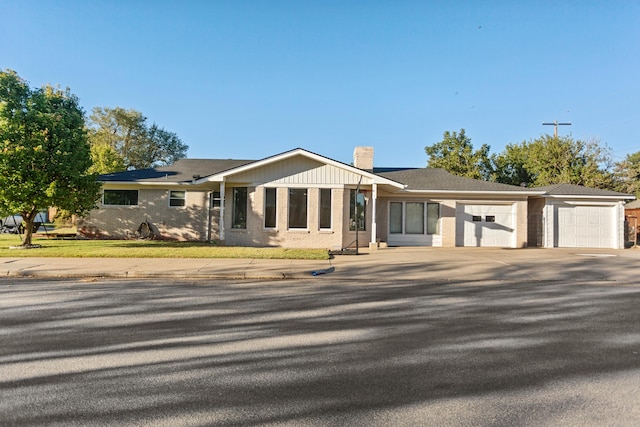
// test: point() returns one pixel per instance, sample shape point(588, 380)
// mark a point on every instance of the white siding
point(299, 171)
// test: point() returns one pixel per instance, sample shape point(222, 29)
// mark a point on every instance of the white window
point(357, 211)
point(239, 213)
point(395, 218)
point(177, 198)
point(215, 199)
point(325, 208)
point(270, 208)
point(414, 218)
point(297, 208)
point(433, 218)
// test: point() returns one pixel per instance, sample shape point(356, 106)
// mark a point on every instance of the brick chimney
point(363, 158)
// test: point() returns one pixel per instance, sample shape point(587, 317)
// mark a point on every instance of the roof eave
point(375, 179)
point(145, 183)
point(589, 196)
point(478, 192)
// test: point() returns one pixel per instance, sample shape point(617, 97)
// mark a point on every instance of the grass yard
point(147, 249)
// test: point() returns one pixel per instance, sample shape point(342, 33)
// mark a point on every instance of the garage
point(573, 216)
point(485, 225)
point(584, 226)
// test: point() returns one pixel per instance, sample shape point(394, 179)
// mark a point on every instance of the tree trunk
point(28, 218)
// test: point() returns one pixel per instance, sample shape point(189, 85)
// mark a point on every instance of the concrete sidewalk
point(390, 264)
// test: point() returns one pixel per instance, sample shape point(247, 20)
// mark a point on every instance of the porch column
point(618, 222)
point(374, 227)
point(209, 214)
point(547, 224)
point(221, 222)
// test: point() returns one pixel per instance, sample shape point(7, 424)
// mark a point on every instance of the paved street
point(307, 352)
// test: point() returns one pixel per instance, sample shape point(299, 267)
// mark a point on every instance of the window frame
point(437, 221)
point(325, 210)
point(267, 214)
point(428, 226)
point(401, 212)
point(239, 219)
point(111, 191)
point(304, 193)
point(353, 203)
point(411, 223)
point(183, 199)
point(216, 199)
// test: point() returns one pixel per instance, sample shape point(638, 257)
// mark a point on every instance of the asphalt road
point(299, 353)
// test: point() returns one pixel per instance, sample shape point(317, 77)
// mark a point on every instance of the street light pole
point(555, 125)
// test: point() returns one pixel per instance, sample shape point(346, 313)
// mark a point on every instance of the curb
point(164, 275)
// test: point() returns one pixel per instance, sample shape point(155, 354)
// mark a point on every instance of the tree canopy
point(627, 174)
point(455, 153)
point(121, 140)
point(44, 152)
point(538, 162)
point(555, 160)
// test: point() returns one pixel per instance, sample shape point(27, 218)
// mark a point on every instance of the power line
point(555, 125)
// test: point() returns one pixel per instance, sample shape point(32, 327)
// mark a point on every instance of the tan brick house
point(302, 199)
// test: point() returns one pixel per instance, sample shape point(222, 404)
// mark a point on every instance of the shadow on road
point(295, 352)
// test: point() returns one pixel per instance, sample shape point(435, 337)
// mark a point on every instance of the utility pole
point(555, 125)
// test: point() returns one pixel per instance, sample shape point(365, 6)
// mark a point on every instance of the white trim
point(222, 209)
point(294, 185)
point(150, 183)
point(264, 209)
point(169, 198)
point(289, 228)
point(209, 214)
point(299, 152)
point(374, 225)
point(584, 197)
point(590, 202)
point(483, 192)
point(415, 239)
point(320, 228)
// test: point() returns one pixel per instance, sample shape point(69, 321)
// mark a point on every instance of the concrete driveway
point(469, 264)
point(314, 352)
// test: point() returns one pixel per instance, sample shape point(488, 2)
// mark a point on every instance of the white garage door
point(584, 227)
point(485, 225)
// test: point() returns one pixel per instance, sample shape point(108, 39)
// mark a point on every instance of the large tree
point(44, 152)
point(455, 153)
point(510, 166)
point(555, 160)
point(628, 174)
point(116, 133)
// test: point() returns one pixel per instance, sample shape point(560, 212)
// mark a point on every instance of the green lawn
point(147, 249)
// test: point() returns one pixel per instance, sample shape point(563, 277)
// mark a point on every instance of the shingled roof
point(181, 171)
point(579, 190)
point(434, 179)
point(633, 205)
point(415, 179)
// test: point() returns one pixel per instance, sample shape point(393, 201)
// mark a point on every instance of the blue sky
point(249, 79)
